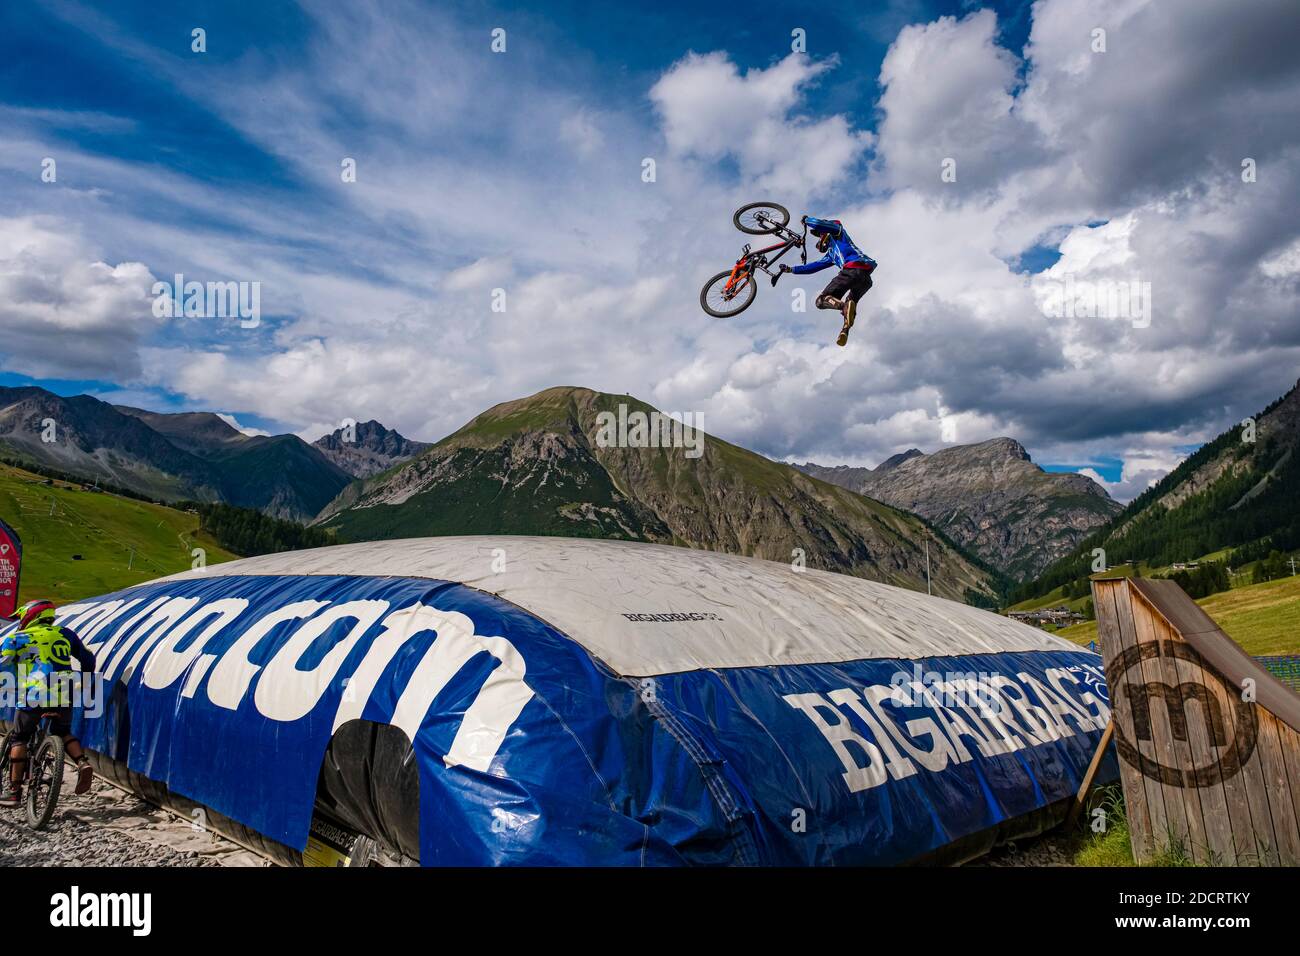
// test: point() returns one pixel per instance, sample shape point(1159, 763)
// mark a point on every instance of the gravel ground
point(1050, 850)
point(69, 842)
point(107, 827)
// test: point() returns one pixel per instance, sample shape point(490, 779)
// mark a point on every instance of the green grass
point(1113, 846)
point(1262, 618)
point(59, 520)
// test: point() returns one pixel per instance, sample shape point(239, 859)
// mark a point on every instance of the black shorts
point(849, 284)
point(26, 721)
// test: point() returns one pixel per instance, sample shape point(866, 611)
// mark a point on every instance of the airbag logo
point(1213, 703)
point(672, 616)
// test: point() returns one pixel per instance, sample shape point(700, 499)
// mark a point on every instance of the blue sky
point(521, 171)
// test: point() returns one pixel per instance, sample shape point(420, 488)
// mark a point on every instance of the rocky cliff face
point(991, 498)
point(369, 449)
point(538, 466)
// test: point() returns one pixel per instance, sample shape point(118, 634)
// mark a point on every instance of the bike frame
point(757, 258)
point(38, 737)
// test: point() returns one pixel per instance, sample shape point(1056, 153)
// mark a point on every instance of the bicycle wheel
point(5, 762)
point(720, 303)
point(44, 781)
point(760, 218)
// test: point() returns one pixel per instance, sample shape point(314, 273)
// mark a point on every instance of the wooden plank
point(1290, 740)
point(1159, 720)
point(1108, 598)
point(1155, 797)
point(1223, 802)
point(1242, 850)
point(1273, 765)
point(1206, 806)
point(1263, 841)
point(1086, 784)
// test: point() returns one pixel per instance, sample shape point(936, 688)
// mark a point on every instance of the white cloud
point(476, 275)
point(64, 311)
point(1141, 469)
point(948, 96)
point(582, 130)
point(710, 110)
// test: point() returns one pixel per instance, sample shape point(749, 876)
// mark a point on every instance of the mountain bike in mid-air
point(732, 292)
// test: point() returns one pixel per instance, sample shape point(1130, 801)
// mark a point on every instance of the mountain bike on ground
point(731, 292)
point(44, 773)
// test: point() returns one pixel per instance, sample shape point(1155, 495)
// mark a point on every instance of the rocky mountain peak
point(367, 448)
point(988, 496)
point(893, 461)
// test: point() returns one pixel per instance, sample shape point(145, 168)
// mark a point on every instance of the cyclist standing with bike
point(854, 279)
point(41, 650)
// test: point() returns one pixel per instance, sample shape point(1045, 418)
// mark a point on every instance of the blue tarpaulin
point(533, 750)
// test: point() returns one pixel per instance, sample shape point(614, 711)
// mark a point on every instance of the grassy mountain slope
point(280, 475)
point(534, 466)
point(199, 433)
point(61, 519)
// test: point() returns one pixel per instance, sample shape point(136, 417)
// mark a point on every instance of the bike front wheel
point(761, 218)
point(44, 781)
point(721, 302)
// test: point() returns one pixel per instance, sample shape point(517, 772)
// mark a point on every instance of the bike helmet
point(823, 242)
point(33, 612)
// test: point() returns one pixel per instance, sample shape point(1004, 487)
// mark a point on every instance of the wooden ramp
point(1208, 740)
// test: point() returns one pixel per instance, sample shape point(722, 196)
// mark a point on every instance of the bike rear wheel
point(722, 303)
point(761, 218)
point(5, 762)
point(44, 781)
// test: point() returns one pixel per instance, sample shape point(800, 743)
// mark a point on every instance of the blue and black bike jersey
point(843, 251)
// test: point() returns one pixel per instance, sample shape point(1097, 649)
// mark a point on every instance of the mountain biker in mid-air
point(41, 649)
point(854, 279)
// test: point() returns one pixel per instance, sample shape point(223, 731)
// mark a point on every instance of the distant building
point(1059, 616)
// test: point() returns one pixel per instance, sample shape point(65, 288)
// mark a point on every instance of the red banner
point(11, 563)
